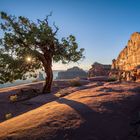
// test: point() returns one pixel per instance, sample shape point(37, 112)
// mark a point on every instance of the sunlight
point(28, 59)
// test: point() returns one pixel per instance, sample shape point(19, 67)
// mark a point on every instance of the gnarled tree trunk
point(49, 75)
point(48, 81)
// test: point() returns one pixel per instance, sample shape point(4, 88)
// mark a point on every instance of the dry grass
point(8, 116)
point(62, 93)
point(33, 81)
point(75, 82)
point(13, 98)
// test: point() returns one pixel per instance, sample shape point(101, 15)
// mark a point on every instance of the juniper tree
point(38, 40)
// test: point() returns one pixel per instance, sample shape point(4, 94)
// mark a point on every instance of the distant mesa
point(98, 69)
point(72, 73)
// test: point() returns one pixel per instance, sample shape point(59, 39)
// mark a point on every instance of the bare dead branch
point(47, 17)
point(56, 28)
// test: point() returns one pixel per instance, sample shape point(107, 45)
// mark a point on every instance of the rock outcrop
point(99, 70)
point(127, 65)
point(129, 57)
point(41, 77)
point(72, 73)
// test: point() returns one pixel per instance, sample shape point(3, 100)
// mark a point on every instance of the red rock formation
point(128, 62)
point(99, 70)
point(129, 57)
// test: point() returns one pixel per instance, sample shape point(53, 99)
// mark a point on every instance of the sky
point(102, 27)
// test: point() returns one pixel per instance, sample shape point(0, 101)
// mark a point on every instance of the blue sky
point(102, 27)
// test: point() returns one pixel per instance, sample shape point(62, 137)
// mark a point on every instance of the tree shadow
point(112, 124)
point(88, 127)
point(101, 125)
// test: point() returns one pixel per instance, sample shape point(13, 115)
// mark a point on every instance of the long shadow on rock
point(88, 128)
point(113, 124)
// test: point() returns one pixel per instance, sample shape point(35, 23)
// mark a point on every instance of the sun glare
point(28, 59)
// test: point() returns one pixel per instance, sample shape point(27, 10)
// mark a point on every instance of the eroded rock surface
point(129, 57)
point(99, 69)
point(127, 65)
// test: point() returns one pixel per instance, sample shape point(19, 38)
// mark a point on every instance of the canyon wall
point(129, 57)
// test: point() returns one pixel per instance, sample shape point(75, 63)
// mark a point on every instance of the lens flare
point(28, 59)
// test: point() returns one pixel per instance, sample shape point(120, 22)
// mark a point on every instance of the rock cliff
point(129, 57)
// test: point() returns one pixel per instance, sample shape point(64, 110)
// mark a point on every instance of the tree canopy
point(38, 40)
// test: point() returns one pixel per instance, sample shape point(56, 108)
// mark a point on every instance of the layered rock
point(99, 70)
point(72, 73)
point(127, 64)
point(129, 57)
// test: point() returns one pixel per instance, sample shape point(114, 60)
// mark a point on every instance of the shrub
point(8, 116)
point(55, 84)
point(75, 82)
point(111, 79)
point(33, 81)
point(13, 98)
point(62, 93)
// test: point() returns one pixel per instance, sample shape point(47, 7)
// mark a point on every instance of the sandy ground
point(97, 111)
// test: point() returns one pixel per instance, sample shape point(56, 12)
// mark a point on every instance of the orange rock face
point(129, 57)
point(99, 70)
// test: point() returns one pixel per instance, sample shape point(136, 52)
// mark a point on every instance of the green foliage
point(112, 79)
point(23, 38)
